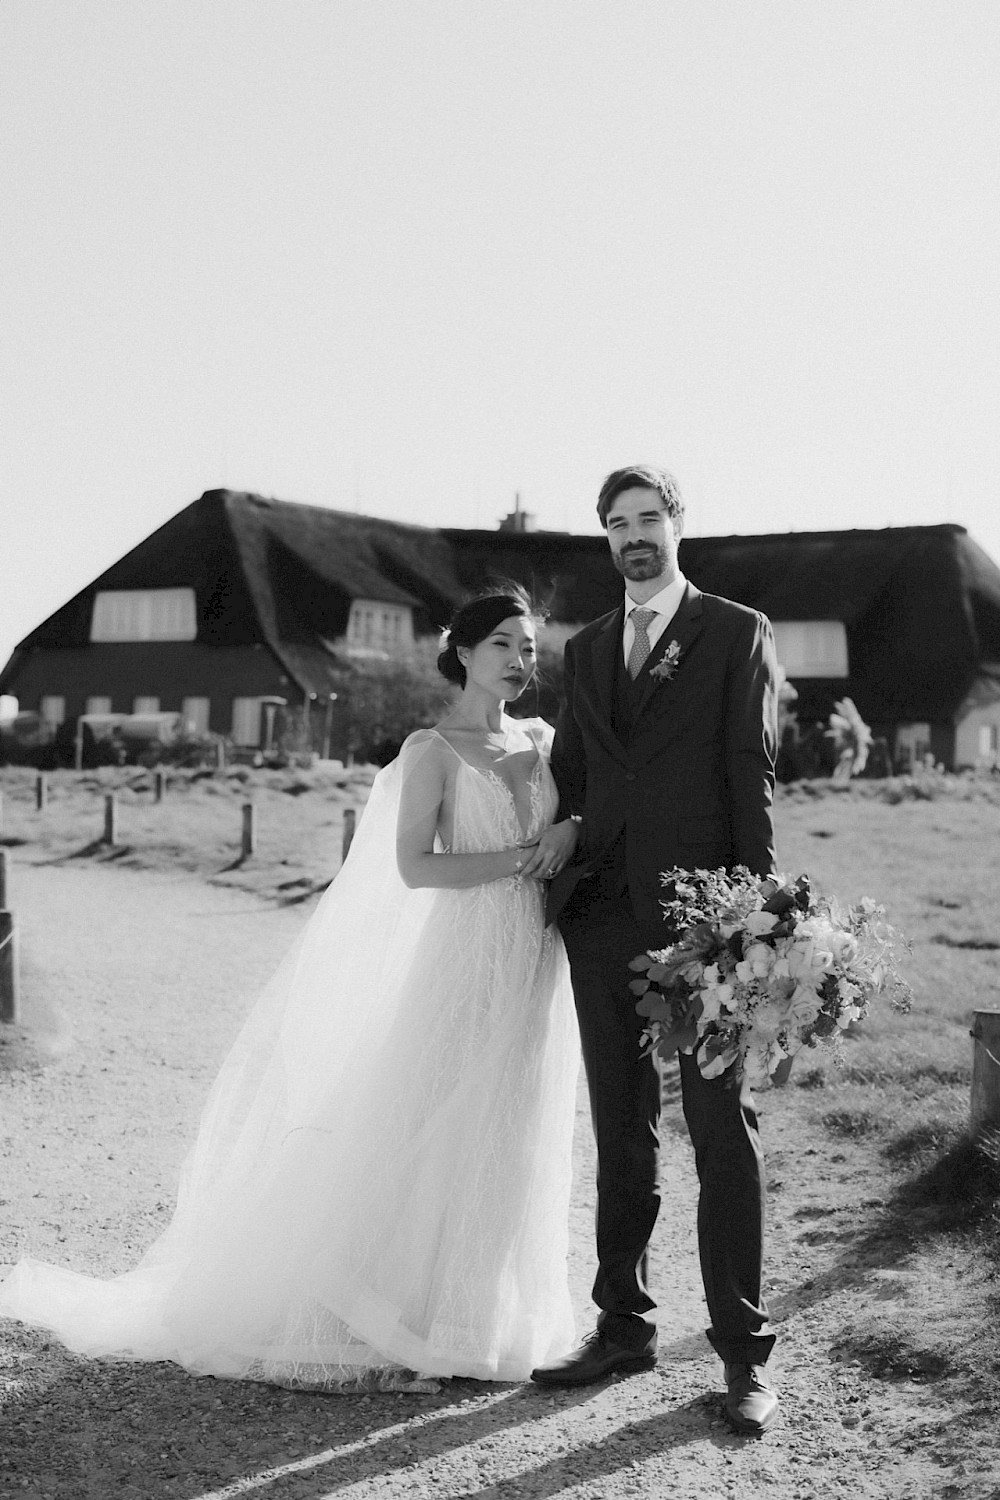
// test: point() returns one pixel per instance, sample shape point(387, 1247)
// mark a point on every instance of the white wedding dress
point(381, 1176)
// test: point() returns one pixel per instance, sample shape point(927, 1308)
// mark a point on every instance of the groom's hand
point(553, 850)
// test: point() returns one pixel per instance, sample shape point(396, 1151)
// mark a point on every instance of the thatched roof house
point(909, 616)
point(238, 598)
point(906, 620)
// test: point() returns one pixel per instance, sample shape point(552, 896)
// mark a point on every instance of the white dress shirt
point(666, 604)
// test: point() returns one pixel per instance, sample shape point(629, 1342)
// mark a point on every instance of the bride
point(381, 1175)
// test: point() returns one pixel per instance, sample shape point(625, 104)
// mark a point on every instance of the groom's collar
point(665, 603)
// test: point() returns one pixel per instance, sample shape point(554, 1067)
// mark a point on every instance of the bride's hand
point(553, 850)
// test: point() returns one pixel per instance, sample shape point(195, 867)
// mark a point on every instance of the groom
point(665, 749)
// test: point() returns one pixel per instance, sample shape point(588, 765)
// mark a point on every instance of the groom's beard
point(641, 563)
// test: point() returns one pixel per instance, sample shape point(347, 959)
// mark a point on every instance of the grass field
point(896, 1109)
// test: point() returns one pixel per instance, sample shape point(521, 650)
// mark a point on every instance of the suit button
point(629, 775)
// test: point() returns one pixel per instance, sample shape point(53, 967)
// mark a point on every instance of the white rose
point(804, 1007)
point(844, 947)
point(761, 921)
point(761, 957)
point(725, 994)
point(800, 959)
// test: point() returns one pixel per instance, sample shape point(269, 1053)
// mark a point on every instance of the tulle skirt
point(381, 1175)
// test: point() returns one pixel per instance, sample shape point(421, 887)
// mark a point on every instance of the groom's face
point(642, 537)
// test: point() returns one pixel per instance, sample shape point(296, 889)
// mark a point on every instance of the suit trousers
point(601, 936)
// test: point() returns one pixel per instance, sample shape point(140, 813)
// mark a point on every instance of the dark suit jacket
point(694, 785)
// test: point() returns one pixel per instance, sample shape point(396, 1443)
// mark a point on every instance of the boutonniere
point(667, 666)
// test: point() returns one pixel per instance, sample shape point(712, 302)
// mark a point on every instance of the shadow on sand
point(133, 1430)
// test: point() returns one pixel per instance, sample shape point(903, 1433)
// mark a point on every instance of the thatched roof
point(304, 566)
point(275, 573)
point(571, 575)
point(920, 604)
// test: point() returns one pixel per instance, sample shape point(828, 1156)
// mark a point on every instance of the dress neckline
point(483, 771)
point(489, 774)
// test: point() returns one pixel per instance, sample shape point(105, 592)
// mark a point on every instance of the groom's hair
point(641, 476)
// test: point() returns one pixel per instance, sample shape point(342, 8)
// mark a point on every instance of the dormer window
point(374, 626)
point(144, 615)
point(811, 648)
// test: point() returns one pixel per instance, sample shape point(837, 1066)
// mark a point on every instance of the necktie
point(641, 648)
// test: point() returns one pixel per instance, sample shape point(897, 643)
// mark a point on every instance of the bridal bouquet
point(761, 968)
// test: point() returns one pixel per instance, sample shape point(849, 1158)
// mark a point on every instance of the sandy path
point(132, 992)
point(133, 987)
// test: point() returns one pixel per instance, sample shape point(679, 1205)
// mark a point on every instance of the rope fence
point(980, 1043)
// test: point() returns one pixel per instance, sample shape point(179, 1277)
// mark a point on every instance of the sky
point(414, 257)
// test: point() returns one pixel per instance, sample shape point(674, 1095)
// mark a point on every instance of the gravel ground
point(133, 986)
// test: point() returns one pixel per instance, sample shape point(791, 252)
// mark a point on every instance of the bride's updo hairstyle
point(476, 619)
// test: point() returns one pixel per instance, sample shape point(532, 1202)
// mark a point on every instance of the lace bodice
point(483, 809)
point(487, 811)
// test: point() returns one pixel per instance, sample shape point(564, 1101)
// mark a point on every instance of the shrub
point(925, 784)
point(380, 702)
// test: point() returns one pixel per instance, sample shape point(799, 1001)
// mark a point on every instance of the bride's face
point(503, 664)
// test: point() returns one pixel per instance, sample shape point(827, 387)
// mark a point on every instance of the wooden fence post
point(220, 755)
point(41, 791)
point(249, 842)
point(9, 996)
point(8, 949)
point(984, 1111)
point(160, 783)
point(350, 821)
point(110, 818)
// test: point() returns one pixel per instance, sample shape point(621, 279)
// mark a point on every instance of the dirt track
point(133, 986)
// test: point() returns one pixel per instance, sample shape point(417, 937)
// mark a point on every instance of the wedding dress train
point(381, 1173)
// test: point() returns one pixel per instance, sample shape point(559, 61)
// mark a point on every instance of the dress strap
point(541, 734)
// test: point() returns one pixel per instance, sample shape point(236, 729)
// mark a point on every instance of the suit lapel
point(603, 665)
point(603, 658)
point(684, 628)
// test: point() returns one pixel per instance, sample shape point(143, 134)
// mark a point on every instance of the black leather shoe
point(751, 1405)
point(597, 1357)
